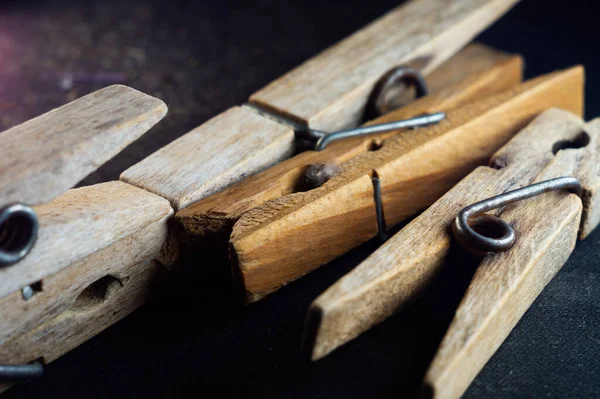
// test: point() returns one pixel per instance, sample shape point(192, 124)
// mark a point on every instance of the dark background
point(203, 58)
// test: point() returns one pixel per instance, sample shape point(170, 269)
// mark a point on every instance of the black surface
point(204, 58)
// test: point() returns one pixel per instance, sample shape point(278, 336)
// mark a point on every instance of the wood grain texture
point(86, 317)
point(290, 236)
point(329, 91)
point(473, 60)
point(398, 271)
point(80, 223)
point(64, 288)
point(506, 284)
point(222, 151)
point(472, 74)
point(42, 158)
point(589, 174)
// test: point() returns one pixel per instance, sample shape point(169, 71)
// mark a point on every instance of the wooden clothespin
point(286, 237)
point(533, 238)
point(72, 262)
point(328, 92)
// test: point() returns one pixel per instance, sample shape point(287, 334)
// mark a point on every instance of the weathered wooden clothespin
point(277, 235)
point(524, 243)
point(327, 93)
point(72, 262)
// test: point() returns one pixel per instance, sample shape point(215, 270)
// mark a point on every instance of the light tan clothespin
point(67, 257)
point(524, 243)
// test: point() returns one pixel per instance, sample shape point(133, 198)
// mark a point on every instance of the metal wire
point(381, 233)
point(19, 372)
point(418, 121)
point(501, 235)
point(377, 104)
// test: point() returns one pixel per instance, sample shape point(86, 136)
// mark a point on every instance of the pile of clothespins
point(404, 116)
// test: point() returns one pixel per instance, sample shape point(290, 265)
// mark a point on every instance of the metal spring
point(318, 140)
point(18, 232)
point(501, 235)
point(400, 75)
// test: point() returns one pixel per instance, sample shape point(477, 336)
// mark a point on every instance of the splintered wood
point(290, 236)
point(329, 91)
point(92, 265)
point(51, 153)
point(94, 310)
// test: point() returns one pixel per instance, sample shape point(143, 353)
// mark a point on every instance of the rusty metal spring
point(502, 235)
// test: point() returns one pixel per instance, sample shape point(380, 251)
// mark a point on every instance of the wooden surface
point(82, 222)
point(589, 174)
point(86, 317)
point(232, 145)
point(401, 268)
point(44, 157)
point(290, 236)
point(506, 284)
point(62, 289)
point(473, 73)
point(473, 60)
point(329, 91)
point(92, 265)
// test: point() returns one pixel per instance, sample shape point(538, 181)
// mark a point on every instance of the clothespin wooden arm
point(85, 234)
point(92, 265)
point(507, 283)
point(288, 237)
point(398, 271)
point(49, 154)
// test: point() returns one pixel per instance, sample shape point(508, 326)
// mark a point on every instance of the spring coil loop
point(18, 232)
